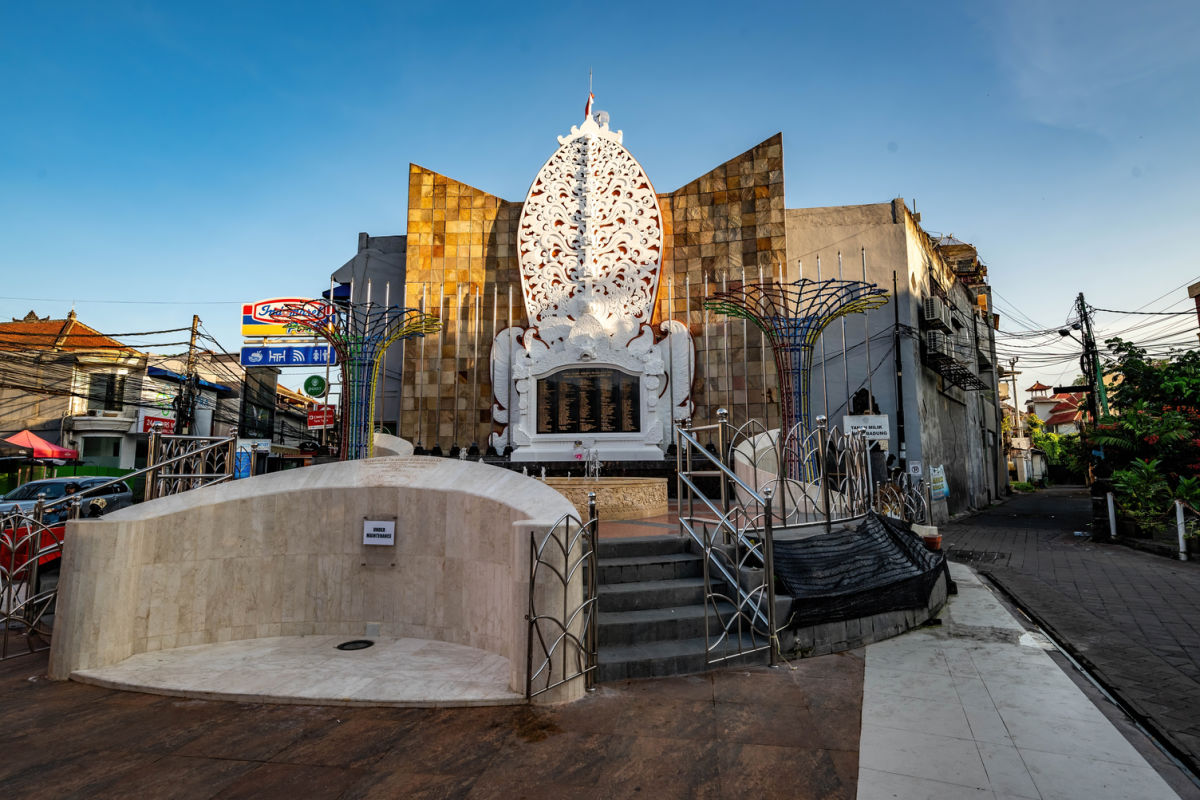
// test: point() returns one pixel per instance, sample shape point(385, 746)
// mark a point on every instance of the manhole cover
point(355, 644)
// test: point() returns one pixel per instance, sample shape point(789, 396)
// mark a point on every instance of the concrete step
point(621, 628)
point(616, 597)
point(657, 659)
point(641, 546)
point(636, 569)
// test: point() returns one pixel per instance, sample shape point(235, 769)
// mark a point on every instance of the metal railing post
point(823, 470)
point(529, 616)
point(34, 544)
point(688, 465)
point(678, 464)
point(722, 421)
point(769, 576)
point(151, 459)
point(593, 564)
point(74, 507)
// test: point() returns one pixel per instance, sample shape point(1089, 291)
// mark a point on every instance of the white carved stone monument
point(590, 372)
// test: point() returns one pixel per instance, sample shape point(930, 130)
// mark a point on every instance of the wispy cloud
point(1097, 65)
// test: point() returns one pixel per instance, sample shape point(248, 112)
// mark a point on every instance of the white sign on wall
point(379, 531)
point(914, 469)
point(873, 426)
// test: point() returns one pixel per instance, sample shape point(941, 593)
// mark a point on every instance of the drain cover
point(355, 644)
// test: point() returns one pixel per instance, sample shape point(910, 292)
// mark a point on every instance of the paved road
point(762, 733)
point(1131, 617)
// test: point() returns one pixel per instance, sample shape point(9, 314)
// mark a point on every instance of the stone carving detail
point(590, 243)
point(679, 352)
point(590, 237)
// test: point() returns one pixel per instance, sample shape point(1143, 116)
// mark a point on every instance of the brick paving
point(790, 732)
point(1131, 617)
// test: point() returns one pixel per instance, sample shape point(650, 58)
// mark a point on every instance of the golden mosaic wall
point(462, 252)
point(723, 227)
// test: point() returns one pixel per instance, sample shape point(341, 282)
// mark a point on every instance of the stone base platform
point(616, 498)
point(311, 670)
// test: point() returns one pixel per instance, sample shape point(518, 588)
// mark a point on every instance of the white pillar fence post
point(1181, 529)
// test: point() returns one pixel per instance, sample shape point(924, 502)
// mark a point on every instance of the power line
point(126, 302)
point(1145, 313)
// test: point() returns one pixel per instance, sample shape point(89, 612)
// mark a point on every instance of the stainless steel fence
point(176, 464)
point(733, 530)
point(28, 589)
point(562, 630)
point(903, 498)
point(819, 477)
point(31, 541)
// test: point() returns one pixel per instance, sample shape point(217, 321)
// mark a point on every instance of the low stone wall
point(283, 554)
point(616, 498)
point(387, 445)
point(836, 637)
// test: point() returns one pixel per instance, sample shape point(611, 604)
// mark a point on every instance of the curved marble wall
point(283, 554)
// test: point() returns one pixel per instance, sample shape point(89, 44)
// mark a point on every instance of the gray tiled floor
point(977, 708)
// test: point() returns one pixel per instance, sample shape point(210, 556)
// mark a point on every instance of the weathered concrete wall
point(943, 425)
point(283, 554)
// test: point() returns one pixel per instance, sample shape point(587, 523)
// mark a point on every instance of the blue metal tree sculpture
point(792, 315)
point(360, 333)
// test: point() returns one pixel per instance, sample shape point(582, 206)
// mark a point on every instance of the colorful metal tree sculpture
point(792, 315)
point(359, 333)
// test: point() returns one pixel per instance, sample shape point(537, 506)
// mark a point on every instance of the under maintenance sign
point(379, 531)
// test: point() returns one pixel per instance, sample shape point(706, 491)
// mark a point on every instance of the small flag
point(587, 109)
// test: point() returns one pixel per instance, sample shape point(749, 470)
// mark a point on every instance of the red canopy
point(41, 448)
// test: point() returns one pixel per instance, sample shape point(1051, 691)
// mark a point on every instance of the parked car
point(93, 502)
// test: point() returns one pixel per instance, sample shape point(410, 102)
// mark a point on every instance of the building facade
point(470, 258)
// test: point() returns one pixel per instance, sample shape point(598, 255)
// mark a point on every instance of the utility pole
point(1091, 367)
point(185, 401)
point(1096, 397)
point(1012, 374)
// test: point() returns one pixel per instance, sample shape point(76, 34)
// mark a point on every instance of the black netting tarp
point(877, 567)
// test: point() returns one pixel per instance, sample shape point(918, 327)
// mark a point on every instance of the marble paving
point(311, 670)
point(978, 709)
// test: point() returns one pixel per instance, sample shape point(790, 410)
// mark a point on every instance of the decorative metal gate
point(178, 463)
point(903, 498)
point(734, 533)
point(562, 636)
point(31, 542)
point(27, 590)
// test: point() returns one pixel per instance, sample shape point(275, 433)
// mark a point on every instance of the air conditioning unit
point(937, 343)
point(933, 309)
point(937, 313)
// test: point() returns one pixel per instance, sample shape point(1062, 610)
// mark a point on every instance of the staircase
point(651, 618)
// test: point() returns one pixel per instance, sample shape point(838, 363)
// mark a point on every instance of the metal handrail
point(745, 600)
point(158, 465)
point(743, 595)
point(721, 469)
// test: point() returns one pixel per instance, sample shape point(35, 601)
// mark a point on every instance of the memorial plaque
point(588, 400)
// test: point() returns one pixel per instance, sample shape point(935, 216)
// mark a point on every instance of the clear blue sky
point(200, 155)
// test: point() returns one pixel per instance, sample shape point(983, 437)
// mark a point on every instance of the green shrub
point(1143, 493)
point(1023, 486)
